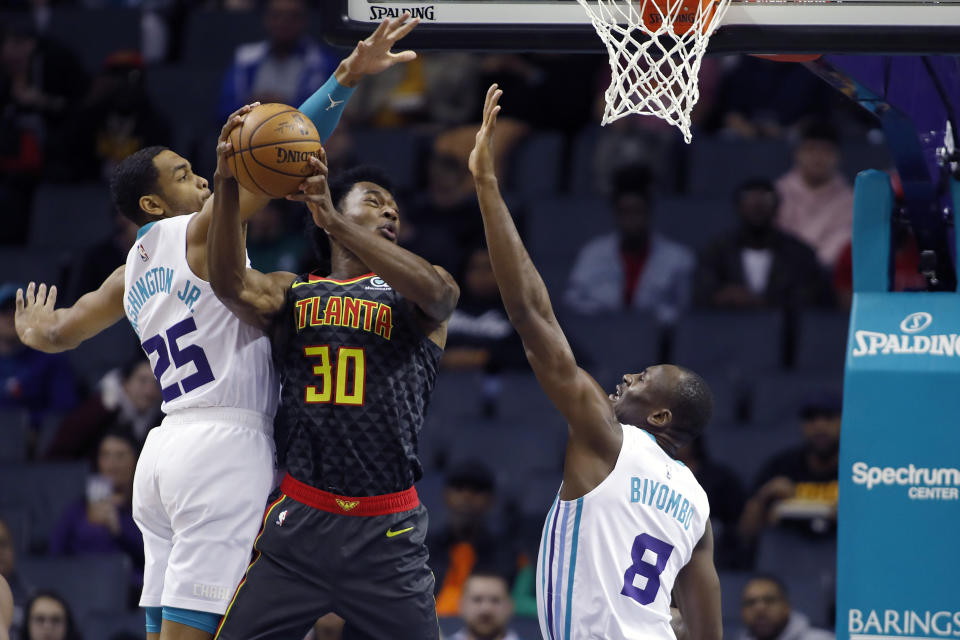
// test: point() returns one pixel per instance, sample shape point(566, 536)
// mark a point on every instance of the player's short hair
point(340, 186)
point(692, 405)
point(135, 177)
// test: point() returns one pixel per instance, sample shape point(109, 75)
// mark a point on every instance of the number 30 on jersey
point(333, 385)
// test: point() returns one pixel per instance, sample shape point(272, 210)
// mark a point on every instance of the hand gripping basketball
point(224, 146)
point(315, 193)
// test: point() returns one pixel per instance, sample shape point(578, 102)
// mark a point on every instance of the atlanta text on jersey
point(345, 311)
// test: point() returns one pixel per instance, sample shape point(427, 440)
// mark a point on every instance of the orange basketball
point(684, 18)
point(272, 149)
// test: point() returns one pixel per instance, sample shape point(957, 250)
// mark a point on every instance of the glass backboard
point(752, 26)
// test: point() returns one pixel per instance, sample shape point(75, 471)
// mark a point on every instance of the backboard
point(751, 26)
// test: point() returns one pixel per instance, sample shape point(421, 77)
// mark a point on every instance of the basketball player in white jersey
point(204, 475)
point(630, 526)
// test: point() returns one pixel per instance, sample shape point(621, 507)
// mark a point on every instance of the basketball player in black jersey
point(357, 350)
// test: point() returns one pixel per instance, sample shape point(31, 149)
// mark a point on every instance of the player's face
point(373, 207)
point(182, 191)
point(639, 394)
point(117, 461)
point(764, 608)
point(486, 606)
point(47, 620)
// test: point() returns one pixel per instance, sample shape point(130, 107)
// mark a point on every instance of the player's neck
point(344, 264)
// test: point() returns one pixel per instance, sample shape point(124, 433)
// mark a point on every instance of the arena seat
point(92, 582)
point(731, 587)
point(105, 624)
point(743, 345)
point(17, 520)
point(398, 152)
point(534, 165)
point(13, 434)
point(93, 34)
point(745, 449)
point(211, 37)
point(70, 216)
point(717, 166)
point(20, 266)
point(692, 220)
point(806, 565)
point(609, 345)
point(192, 114)
point(561, 226)
point(821, 342)
point(112, 347)
point(45, 490)
point(777, 398)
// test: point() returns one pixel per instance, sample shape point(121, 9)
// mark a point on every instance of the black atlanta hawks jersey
point(357, 373)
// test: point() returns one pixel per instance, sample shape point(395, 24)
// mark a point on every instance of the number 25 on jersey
point(333, 385)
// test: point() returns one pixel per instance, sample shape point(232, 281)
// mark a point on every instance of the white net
point(655, 48)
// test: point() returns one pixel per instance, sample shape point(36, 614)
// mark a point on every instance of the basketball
point(272, 149)
point(690, 14)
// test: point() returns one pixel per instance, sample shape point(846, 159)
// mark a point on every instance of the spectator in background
point(633, 267)
point(39, 82)
point(726, 496)
point(798, 487)
point(817, 201)
point(48, 617)
point(126, 402)
point(271, 244)
point(479, 334)
point(103, 522)
point(287, 67)
point(87, 270)
point(789, 94)
point(29, 379)
point(758, 265)
point(486, 608)
point(114, 120)
point(766, 613)
point(466, 541)
point(8, 571)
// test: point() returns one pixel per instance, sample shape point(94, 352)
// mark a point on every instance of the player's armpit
point(697, 590)
point(260, 297)
point(42, 327)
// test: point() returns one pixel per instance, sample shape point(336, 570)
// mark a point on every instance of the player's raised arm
point(574, 392)
point(697, 590)
point(44, 328)
point(252, 296)
point(429, 287)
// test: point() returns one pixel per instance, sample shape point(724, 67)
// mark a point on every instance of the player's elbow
point(226, 285)
point(443, 300)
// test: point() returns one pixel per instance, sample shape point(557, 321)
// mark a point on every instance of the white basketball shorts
point(199, 493)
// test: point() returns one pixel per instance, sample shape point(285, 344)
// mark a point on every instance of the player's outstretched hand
point(34, 313)
point(373, 54)
point(315, 192)
point(224, 146)
point(481, 158)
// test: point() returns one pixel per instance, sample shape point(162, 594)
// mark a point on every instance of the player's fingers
point(236, 118)
point(52, 297)
point(381, 29)
point(298, 197)
point(404, 56)
point(404, 29)
point(41, 293)
point(19, 299)
point(30, 290)
point(489, 97)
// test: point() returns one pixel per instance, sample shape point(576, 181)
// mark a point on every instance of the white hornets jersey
point(608, 560)
point(201, 354)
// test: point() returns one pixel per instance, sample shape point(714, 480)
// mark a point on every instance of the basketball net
point(655, 48)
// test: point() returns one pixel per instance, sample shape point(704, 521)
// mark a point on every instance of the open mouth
point(616, 394)
point(389, 231)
